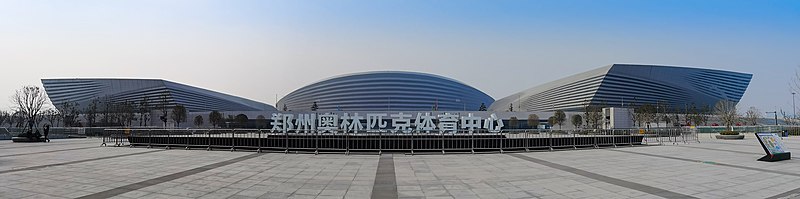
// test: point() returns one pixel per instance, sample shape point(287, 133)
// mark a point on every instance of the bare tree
point(241, 119)
point(752, 115)
point(69, 113)
point(676, 117)
point(704, 113)
point(144, 111)
point(577, 120)
point(593, 115)
point(215, 118)
point(91, 112)
point(127, 113)
point(198, 121)
point(4, 116)
point(560, 117)
point(647, 114)
point(29, 102)
point(533, 121)
point(17, 119)
point(53, 116)
point(513, 122)
point(663, 113)
point(178, 114)
point(106, 111)
point(162, 105)
point(726, 111)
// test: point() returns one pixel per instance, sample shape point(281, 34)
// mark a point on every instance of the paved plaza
point(81, 168)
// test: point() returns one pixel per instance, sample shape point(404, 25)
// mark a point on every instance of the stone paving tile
point(420, 176)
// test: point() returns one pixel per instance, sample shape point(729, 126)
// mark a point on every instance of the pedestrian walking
point(46, 132)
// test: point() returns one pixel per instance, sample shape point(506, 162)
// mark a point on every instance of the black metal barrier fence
point(411, 142)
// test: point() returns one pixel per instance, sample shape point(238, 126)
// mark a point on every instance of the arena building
point(616, 85)
point(386, 91)
point(155, 91)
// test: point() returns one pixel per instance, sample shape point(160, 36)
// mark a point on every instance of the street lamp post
point(794, 112)
point(776, 116)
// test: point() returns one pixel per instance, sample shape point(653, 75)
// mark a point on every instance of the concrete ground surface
point(81, 168)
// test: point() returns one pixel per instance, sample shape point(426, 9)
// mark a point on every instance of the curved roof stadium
point(386, 91)
point(83, 91)
point(618, 85)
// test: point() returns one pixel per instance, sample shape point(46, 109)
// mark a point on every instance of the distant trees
point(91, 112)
point(726, 112)
point(126, 113)
point(162, 105)
point(70, 114)
point(513, 122)
point(4, 116)
point(105, 111)
point(559, 117)
point(576, 120)
point(645, 114)
point(53, 116)
point(29, 103)
point(593, 115)
point(663, 113)
point(752, 115)
point(144, 112)
point(241, 120)
point(17, 120)
point(215, 118)
point(552, 121)
point(696, 116)
point(533, 121)
point(198, 120)
point(261, 122)
point(178, 114)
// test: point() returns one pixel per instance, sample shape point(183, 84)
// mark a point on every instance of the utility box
point(617, 118)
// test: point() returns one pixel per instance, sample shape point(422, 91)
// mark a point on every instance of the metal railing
point(6, 133)
point(383, 141)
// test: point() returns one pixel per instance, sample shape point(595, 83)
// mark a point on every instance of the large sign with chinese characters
point(383, 122)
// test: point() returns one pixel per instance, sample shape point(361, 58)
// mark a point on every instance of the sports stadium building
point(619, 85)
point(157, 93)
point(616, 85)
point(386, 91)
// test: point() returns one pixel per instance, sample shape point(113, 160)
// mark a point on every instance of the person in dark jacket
point(46, 132)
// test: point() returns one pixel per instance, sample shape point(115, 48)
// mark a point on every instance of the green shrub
point(729, 133)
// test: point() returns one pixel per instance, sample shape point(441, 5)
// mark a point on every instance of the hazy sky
point(260, 49)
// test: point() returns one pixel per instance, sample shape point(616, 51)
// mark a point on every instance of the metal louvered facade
point(624, 84)
point(155, 91)
point(386, 91)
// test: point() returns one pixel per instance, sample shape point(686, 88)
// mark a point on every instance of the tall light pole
point(776, 116)
point(794, 112)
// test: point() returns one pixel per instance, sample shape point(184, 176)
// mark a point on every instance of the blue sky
point(260, 49)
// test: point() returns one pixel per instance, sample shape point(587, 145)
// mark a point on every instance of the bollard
point(233, 140)
point(149, 138)
point(574, 141)
point(168, 142)
point(286, 141)
point(208, 138)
